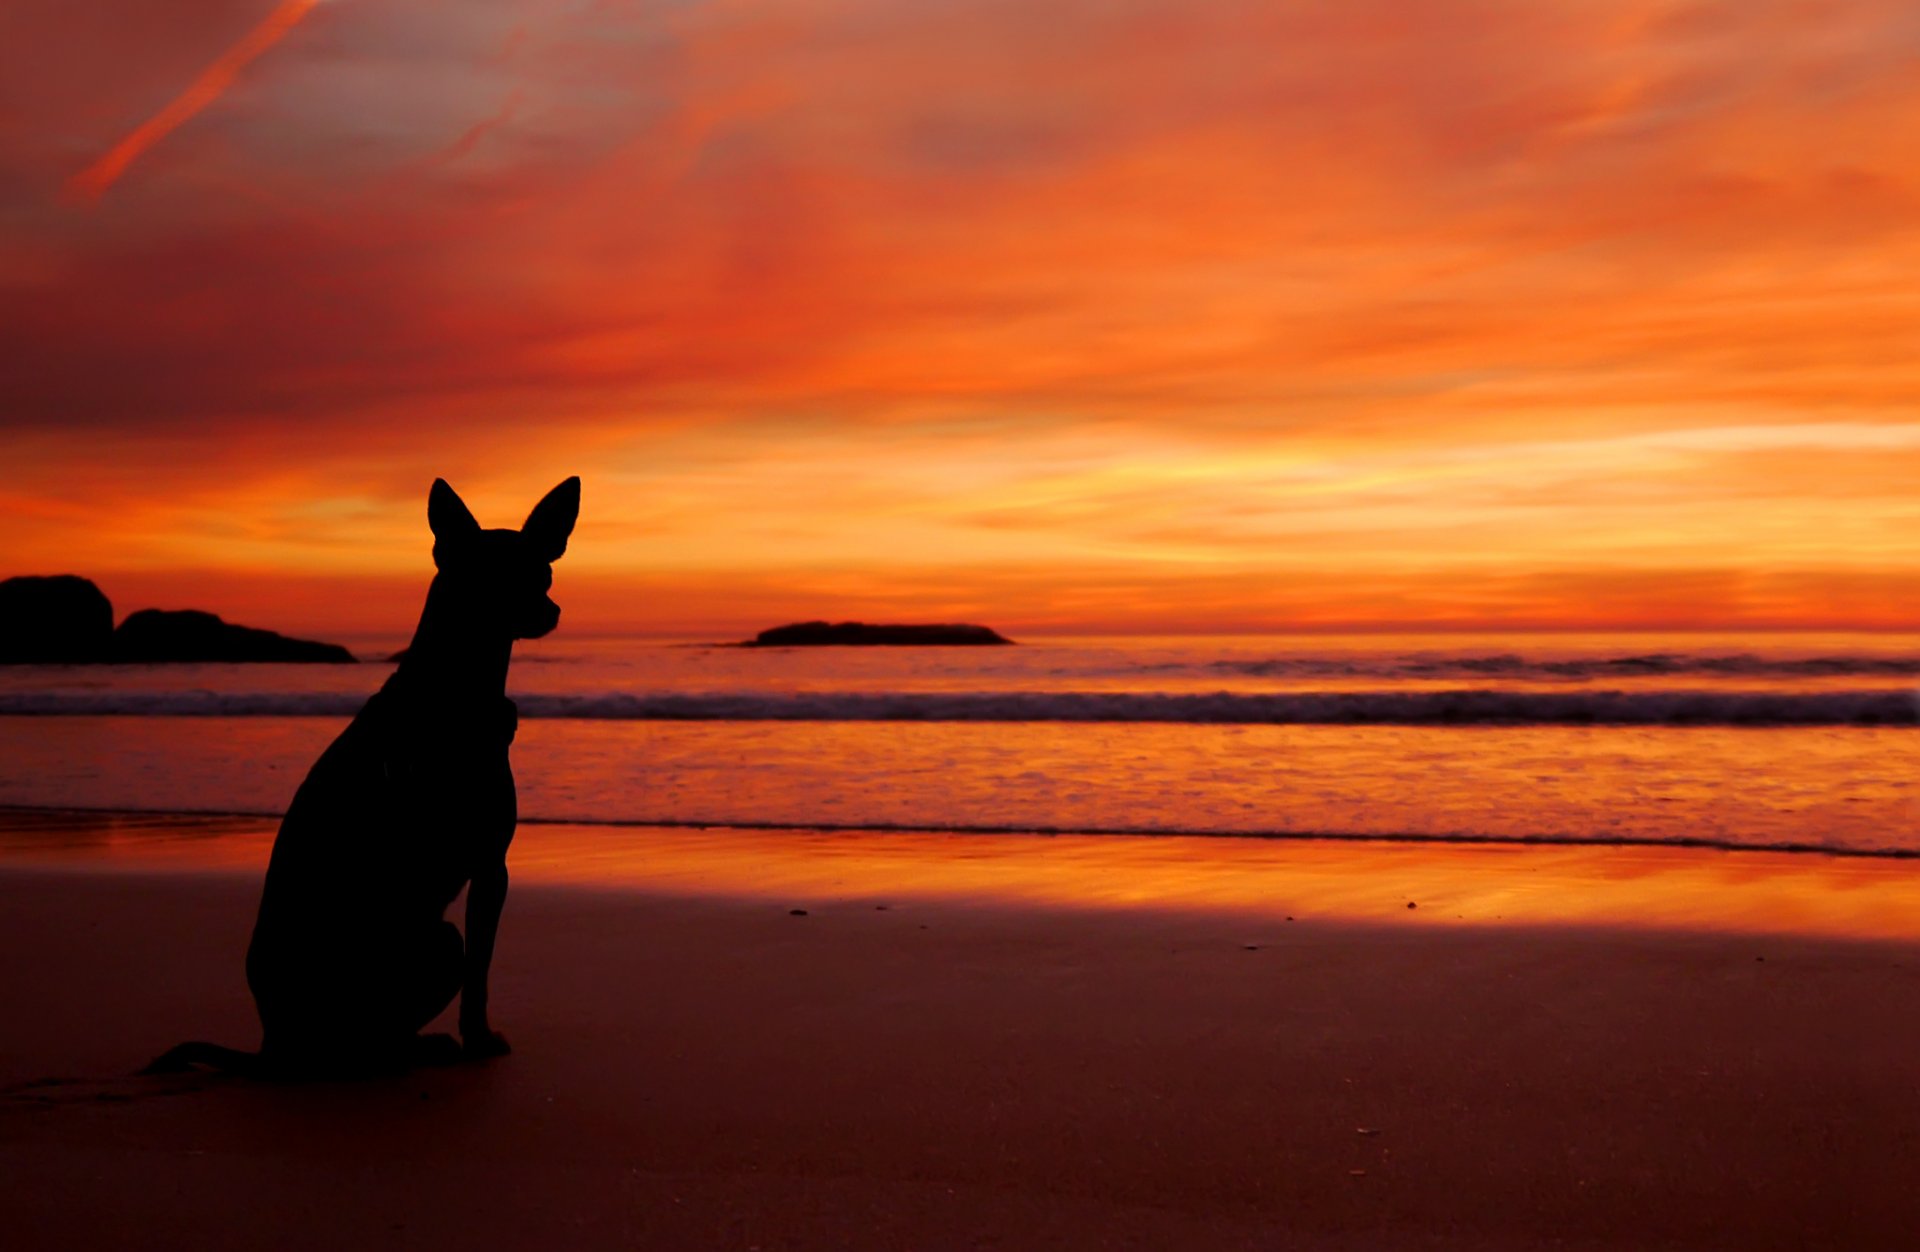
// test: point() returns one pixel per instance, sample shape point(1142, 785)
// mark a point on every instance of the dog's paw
point(484, 1043)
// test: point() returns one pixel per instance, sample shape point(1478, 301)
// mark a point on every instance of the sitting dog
point(352, 954)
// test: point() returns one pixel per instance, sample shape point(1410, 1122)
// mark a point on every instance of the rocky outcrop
point(191, 635)
point(53, 619)
point(861, 634)
point(66, 619)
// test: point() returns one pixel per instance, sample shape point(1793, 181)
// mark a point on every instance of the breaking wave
point(1472, 707)
point(1513, 667)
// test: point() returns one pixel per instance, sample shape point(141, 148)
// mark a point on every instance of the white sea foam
point(1465, 707)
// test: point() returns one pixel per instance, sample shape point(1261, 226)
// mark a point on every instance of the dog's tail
point(210, 1055)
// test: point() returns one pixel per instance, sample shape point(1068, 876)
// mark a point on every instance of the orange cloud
point(1175, 311)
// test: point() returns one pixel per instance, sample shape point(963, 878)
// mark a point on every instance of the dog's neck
point(452, 660)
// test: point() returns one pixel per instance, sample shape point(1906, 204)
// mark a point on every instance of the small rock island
point(64, 619)
point(862, 634)
point(193, 635)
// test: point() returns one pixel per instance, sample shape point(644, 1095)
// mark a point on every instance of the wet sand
point(1033, 1044)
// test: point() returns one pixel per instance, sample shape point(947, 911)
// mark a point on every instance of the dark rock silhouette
point(191, 635)
point(51, 619)
point(860, 634)
point(66, 619)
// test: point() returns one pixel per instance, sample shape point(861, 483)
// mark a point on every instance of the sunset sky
point(1127, 314)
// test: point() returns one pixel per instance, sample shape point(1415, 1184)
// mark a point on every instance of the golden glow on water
point(1265, 881)
point(1842, 788)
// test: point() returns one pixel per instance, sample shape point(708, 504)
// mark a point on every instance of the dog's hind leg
point(416, 981)
point(437, 978)
point(360, 1010)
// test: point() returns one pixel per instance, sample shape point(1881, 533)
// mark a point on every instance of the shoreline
point(56, 814)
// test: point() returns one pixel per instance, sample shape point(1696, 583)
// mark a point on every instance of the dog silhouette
point(352, 954)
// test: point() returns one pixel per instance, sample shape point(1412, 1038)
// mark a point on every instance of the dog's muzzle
point(542, 622)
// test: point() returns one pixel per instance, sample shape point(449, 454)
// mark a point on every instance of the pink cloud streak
point(92, 183)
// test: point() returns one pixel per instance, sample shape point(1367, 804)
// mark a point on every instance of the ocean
point(1777, 741)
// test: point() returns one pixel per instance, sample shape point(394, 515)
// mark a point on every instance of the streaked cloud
point(1485, 294)
point(205, 89)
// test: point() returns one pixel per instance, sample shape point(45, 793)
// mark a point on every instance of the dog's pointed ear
point(448, 515)
point(552, 520)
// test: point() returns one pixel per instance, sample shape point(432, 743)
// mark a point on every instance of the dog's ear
point(448, 516)
point(552, 520)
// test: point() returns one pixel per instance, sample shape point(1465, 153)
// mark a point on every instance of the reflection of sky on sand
point(1269, 881)
point(1309, 880)
point(135, 841)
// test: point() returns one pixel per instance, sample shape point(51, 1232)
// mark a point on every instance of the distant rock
point(191, 635)
point(59, 618)
point(860, 634)
point(66, 619)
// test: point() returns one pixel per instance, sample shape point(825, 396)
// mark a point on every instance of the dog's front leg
point(486, 895)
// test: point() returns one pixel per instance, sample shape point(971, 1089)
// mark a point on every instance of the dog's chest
point(458, 813)
point(446, 769)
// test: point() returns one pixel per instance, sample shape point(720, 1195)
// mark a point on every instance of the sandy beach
point(973, 1043)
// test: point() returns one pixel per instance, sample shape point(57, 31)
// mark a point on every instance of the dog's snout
point(542, 620)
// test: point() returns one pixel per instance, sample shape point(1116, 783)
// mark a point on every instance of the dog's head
point(500, 578)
